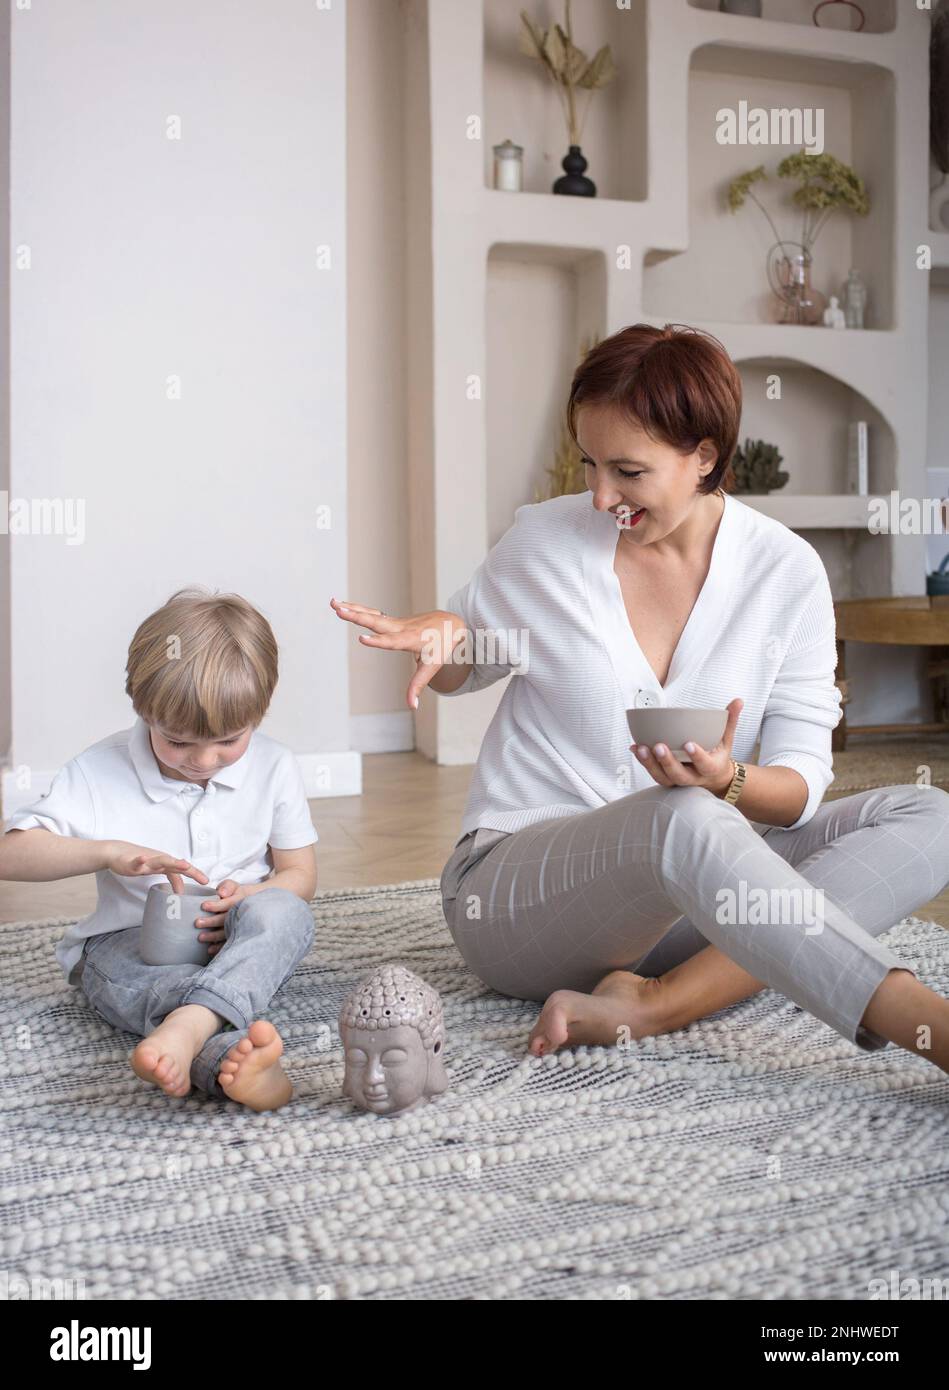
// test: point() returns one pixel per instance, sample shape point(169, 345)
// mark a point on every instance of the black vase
point(574, 181)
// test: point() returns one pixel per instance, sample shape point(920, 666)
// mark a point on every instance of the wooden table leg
point(838, 738)
point(938, 670)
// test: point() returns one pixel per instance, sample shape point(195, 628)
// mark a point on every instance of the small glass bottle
point(508, 166)
point(855, 299)
point(790, 277)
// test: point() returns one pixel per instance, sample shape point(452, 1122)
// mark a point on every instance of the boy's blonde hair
point(204, 665)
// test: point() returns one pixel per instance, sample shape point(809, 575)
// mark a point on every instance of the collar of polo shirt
point(153, 780)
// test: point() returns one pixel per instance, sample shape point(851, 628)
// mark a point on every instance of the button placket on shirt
point(198, 819)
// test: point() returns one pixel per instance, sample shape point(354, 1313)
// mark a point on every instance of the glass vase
point(789, 274)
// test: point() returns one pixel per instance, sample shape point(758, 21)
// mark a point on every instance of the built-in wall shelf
point(520, 101)
point(812, 512)
point(505, 288)
point(722, 272)
point(837, 25)
point(597, 224)
point(806, 413)
point(867, 361)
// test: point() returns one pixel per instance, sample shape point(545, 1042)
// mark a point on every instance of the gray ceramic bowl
point(169, 936)
point(674, 727)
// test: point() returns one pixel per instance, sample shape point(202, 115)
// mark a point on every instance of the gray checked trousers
point(646, 881)
point(266, 937)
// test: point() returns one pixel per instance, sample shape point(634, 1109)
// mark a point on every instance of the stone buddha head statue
point(393, 1036)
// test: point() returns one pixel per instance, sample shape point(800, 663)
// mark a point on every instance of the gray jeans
point(266, 937)
point(640, 883)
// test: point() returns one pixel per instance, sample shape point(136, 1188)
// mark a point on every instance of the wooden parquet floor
point(402, 827)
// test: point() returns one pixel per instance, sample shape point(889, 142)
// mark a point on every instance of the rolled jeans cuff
point(220, 999)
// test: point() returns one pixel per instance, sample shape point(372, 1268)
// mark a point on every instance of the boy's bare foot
point(623, 1006)
point(251, 1072)
point(164, 1058)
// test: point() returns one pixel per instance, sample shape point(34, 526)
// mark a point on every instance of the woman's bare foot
point(906, 1012)
point(623, 1006)
point(164, 1058)
point(251, 1072)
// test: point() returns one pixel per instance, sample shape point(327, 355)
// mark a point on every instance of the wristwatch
point(736, 784)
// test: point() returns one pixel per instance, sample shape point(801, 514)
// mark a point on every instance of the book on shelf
point(858, 468)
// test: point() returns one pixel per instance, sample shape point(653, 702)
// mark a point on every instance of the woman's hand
point(131, 861)
point(430, 637)
point(711, 769)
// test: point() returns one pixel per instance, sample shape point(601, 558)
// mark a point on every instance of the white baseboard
point(331, 774)
point(382, 733)
point(324, 774)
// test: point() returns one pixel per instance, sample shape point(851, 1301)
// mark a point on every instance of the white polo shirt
point(115, 790)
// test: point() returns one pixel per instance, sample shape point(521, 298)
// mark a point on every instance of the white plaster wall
point(4, 370)
point(379, 366)
point(194, 258)
point(528, 379)
point(259, 126)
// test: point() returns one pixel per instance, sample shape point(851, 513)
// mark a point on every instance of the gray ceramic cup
point(675, 727)
point(169, 936)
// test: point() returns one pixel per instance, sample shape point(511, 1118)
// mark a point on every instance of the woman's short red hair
point(677, 383)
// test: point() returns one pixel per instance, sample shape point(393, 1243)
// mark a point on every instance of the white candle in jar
point(507, 166)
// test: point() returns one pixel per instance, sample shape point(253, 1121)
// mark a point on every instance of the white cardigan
point(762, 628)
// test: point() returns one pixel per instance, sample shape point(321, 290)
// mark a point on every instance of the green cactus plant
point(756, 467)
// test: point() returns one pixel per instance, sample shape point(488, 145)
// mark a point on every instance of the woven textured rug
point(886, 761)
point(755, 1155)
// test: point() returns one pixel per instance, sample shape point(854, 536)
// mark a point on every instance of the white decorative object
point(508, 166)
point(393, 1032)
point(855, 299)
point(858, 462)
point(834, 316)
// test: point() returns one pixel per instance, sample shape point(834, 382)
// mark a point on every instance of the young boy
point(226, 806)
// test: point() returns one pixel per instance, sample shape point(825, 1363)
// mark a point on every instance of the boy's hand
point(132, 861)
point(228, 893)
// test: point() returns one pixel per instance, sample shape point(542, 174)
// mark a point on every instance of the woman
point(617, 890)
